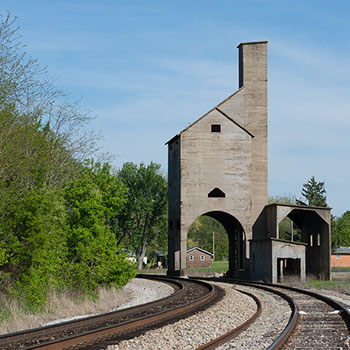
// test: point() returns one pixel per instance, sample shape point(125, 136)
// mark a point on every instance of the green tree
point(38, 262)
point(55, 211)
point(285, 199)
point(144, 217)
point(341, 231)
point(26, 88)
point(315, 193)
point(93, 256)
point(201, 235)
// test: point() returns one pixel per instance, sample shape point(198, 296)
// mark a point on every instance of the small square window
point(202, 257)
point(215, 128)
point(191, 257)
point(337, 256)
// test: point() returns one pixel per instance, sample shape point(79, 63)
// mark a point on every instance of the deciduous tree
point(341, 231)
point(144, 215)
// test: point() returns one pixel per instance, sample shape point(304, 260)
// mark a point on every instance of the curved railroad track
point(98, 331)
point(316, 321)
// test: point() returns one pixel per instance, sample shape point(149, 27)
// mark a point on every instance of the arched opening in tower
point(221, 235)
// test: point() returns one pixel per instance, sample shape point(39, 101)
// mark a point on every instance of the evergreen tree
point(315, 193)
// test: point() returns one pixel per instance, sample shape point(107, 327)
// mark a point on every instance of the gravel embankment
point(144, 291)
point(137, 291)
point(231, 311)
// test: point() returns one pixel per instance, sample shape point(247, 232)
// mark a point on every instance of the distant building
point(198, 257)
point(341, 257)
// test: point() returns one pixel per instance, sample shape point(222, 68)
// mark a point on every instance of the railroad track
point(316, 321)
point(97, 332)
point(323, 323)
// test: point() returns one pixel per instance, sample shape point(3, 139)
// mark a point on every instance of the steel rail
point(283, 338)
point(40, 331)
point(155, 319)
point(237, 330)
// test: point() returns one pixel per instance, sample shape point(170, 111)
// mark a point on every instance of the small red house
point(341, 257)
point(198, 257)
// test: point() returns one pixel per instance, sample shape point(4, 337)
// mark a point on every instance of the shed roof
point(200, 249)
point(342, 250)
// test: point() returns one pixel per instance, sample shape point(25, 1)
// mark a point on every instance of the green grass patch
point(216, 266)
point(341, 269)
point(334, 285)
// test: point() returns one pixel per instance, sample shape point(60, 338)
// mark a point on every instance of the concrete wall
point(266, 252)
point(260, 260)
point(215, 160)
point(249, 109)
point(315, 226)
point(174, 205)
point(288, 250)
point(234, 160)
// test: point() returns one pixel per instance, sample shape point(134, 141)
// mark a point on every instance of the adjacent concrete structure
point(309, 256)
point(218, 167)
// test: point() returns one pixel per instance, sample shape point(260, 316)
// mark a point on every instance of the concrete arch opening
point(236, 241)
point(209, 234)
point(315, 234)
point(289, 230)
point(309, 256)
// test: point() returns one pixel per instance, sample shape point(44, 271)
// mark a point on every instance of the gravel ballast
point(142, 291)
point(234, 309)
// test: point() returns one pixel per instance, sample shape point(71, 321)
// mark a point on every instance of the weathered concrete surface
point(265, 254)
point(233, 160)
point(314, 223)
point(218, 167)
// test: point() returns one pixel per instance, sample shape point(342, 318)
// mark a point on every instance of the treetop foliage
point(315, 193)
point(144, 217)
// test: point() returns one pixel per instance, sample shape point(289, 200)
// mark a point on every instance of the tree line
point(67, 221)
point(205, 230)
point(314, 194)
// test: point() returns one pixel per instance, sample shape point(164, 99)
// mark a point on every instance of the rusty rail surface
point(186, 300)
point(294, 320)
point(237, 330)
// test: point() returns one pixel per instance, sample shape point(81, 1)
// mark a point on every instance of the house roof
point(200, 249)
point(342, 250)
point(217, 109)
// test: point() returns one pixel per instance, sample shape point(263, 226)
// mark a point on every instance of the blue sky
point(146, 69)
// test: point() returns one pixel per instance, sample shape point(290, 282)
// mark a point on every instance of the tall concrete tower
point(217, 166)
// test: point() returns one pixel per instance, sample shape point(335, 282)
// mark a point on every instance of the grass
point(13, 318)
point(340, 285)
point(215, 267)
point(341, 269)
